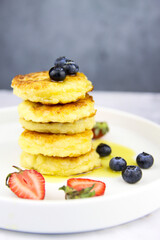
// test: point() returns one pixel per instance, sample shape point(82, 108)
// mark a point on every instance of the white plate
point(121, 203)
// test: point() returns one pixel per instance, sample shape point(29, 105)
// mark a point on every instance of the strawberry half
point(28, 184)
point(100, 129)
point(81, 183)
point(83, 188)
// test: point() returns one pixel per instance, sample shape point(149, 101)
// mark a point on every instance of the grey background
point(116, 43)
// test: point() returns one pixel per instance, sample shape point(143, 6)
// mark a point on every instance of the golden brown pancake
point(70, 112)
point(60, 128)
point(38, 87)
point(59, 145)
point(61, 166)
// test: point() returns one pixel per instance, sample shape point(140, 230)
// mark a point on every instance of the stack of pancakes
point(58, 118)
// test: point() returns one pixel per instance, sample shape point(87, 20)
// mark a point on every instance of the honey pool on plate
point(104, 171)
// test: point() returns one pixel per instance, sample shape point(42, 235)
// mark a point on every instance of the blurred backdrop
point(116, 43)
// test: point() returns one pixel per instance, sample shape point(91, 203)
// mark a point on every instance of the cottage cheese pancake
point(60, 145)
point(38, 87)
point(64, 128)
point(70, 112)
point(61, 166)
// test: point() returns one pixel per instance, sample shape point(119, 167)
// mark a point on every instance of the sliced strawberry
point(28, 184)
point(99, 135)
point(100, 129)
point(81, 183)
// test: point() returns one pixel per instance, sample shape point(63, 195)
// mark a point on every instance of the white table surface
point(143, 104)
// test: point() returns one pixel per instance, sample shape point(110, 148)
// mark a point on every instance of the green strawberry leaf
point(101, 127)
point(71, 193)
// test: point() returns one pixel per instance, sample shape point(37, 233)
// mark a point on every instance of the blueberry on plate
point(71, 68)
point(103, 150)
point(132, 174)
point(57, 74)
point(144, 160)
point(117, 164)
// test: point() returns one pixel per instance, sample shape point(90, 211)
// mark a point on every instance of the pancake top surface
point(38, 87)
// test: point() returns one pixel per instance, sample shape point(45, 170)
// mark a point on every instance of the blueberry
point(70, 68)
point(60, 61)
point(103, 150)
point(68, 61)
point(57, 73)
point(117, 164)
point(144, 160)
point(132, 174)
